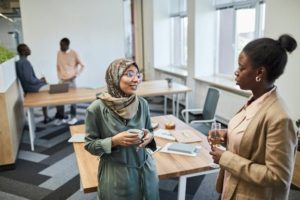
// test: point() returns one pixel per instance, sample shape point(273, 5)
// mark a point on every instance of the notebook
point(183, 148)
point(77, 138)
point(59, 88)
point(186, 136)
point(162, 133)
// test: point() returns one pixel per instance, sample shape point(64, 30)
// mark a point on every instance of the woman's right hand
point(125, 139)
point(222, 134)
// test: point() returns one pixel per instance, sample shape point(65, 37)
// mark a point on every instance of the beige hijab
point(123, 105)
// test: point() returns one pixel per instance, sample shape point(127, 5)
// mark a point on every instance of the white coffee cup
point(137, 131)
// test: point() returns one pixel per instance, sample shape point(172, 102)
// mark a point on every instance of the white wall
point(283, 17)
point(95, 28)
point(205, 37)
point(148, 38)
point(7, 74)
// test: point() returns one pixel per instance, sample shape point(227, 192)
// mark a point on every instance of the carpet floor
point(51, 173)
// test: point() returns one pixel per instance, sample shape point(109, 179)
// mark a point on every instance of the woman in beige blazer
point(261, 138)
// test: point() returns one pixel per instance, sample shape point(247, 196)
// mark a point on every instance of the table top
point(296, 175)
point(168, 165)
point(79, 95)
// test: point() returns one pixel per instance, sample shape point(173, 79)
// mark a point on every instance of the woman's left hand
point(216, 154)
point(148, 137)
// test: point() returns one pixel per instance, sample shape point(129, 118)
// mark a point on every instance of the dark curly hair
point(65, 41)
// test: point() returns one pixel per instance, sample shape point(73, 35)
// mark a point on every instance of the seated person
point(27, 77)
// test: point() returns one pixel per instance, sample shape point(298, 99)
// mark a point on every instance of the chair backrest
point(210, 104)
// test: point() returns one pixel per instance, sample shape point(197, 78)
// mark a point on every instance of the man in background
point(69, 67)
point(27, 77)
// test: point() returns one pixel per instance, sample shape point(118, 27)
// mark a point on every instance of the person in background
point(27, 77)
point(261, 138)
point(69, 67)
point(127, 169)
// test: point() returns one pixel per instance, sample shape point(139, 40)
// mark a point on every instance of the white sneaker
point(59, 122)
point(73, 121)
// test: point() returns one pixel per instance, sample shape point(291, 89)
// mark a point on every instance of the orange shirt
point(67, 64)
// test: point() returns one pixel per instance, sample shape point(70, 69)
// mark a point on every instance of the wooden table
point(80, 95)
point(168, 165)
point(296, 175)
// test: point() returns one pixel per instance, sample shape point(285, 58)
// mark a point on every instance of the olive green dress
point(124, 172)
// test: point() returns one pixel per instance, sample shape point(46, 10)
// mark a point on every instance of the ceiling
point(10, 8)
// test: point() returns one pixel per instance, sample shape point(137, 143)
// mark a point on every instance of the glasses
point(132, 74)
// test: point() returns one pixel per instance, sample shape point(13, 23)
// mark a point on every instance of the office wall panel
point(95, 28)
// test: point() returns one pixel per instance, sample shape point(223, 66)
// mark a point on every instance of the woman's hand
point(148, 137)
point(125, 139)
point(216, 154)
point(223, 136)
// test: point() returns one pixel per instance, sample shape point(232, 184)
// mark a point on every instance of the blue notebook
point(183, 148)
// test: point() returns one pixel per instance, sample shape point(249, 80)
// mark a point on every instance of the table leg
point(186, 107)
point(81, 186)
point(165, 105)
point(181, 188)
point(31, 124)
point(177, 105)
point(173, 104)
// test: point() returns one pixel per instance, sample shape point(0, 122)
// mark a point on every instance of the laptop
point(59, 88)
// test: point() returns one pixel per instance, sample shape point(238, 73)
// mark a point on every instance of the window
point(237, 25)
point(178, 30)
point(128, 25)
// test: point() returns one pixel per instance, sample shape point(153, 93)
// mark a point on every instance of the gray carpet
point(50, 172)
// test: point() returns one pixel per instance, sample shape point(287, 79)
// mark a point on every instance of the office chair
point(207, 114)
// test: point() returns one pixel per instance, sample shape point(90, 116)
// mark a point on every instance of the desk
point(168, 165)
point(296, 175)
point(80, 95)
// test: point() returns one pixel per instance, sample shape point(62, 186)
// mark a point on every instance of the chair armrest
point(198, 110)
point(202, 121)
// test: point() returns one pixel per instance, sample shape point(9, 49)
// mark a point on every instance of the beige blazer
point(264, 168)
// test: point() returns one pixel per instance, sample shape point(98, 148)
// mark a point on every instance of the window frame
point(258, 32)
point(178, 36)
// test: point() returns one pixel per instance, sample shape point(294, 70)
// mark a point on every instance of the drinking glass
point(215, 134)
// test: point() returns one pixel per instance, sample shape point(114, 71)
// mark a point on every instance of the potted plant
point(5, 54)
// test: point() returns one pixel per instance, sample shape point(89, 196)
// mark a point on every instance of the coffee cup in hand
point(139, 132)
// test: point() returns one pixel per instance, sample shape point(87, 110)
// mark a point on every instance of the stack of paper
point(162, 133)
point(77, 138)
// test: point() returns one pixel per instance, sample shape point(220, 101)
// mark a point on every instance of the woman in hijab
point(127, 169)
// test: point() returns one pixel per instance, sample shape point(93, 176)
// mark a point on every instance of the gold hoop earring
point(257, 79)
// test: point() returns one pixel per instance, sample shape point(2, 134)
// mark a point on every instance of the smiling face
point(245, 75)
point(130, 80)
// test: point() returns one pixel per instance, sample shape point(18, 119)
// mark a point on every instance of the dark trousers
point(60, 114)
point(61, 109)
